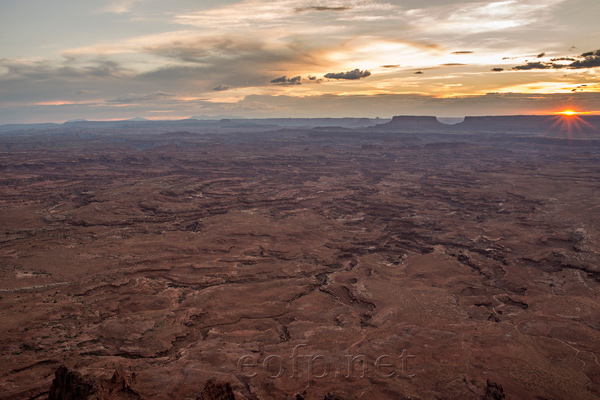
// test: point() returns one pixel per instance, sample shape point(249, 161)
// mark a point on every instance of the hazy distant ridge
point(522, 124)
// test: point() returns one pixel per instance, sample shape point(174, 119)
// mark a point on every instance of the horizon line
point(216, 119)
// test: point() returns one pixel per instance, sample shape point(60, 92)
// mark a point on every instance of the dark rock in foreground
point(71, 385)
point(217, 391)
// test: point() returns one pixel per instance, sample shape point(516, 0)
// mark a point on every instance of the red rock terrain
point(297, 264)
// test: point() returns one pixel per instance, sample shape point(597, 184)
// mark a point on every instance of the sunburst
point(570, 123)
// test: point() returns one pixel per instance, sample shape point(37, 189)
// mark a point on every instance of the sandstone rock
point(493, 391)
point(71, 385)
point(217, 391)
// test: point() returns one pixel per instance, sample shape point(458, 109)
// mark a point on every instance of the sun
point(572, 113)
point(568, 112)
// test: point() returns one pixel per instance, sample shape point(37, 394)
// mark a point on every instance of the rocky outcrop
point(217, 391)
point(71, 385)
point(493, 391)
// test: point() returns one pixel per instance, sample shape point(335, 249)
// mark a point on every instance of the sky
point(156, 59)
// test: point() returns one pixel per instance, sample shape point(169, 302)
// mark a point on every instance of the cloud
point(248, 42)
point(206, 59)
point(196, 48)
point(209, 59)
point(386, 105)
point(591, 53)
point(323, 8)
point(497, 69)
point(287, 14)
point(587, 62)
point(44, 70)
point(591, 59)
point(135, 98)
point(465, 19)
point(121, 6)
point(221, 87)
point(563, 59)
point(243, 44)
point(194, 78)
point(284, 81)
point(336, 33)
point(580, 88)
point(85, 92)
point(536, 65)
point(354, 74)
point(541, 55)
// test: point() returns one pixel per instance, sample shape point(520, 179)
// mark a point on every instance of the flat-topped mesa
point(512, 124)
point(411, 123)
point(504, 123)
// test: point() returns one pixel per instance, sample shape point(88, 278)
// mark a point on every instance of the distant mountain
point(313, 122)
point(410, 124)
point(215, 117)
point(135, 119)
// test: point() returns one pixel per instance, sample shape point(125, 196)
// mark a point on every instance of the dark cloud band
point(283, 80)
point(354, 74)
point(590, 59)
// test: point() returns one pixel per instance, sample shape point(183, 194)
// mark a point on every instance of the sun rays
point(570, 123)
